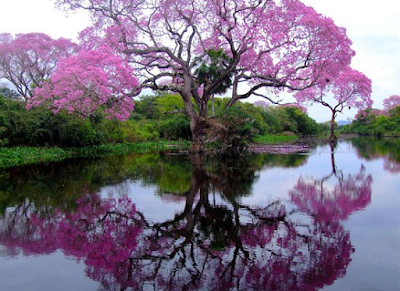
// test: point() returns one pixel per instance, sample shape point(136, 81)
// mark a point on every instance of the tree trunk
point(333, 164)
point(198, 125)
point(197, 128)
point(332, 138)
point(212, 106)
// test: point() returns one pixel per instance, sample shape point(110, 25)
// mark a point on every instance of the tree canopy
point(391, 102)
point(88, 80)
point(27, 60)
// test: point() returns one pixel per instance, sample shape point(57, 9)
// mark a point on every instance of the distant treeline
point(375, 122)
point(154, 118)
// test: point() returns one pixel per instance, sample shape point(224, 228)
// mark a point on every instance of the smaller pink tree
point(364, 114)
point(28, 59)
point(391, 102)
point(350, 88)
point(91, 79)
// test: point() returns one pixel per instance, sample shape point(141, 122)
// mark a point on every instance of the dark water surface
point(313, 221)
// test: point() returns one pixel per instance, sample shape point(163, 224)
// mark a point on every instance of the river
point(318, 220)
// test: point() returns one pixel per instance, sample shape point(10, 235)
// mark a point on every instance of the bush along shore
point(157, 124)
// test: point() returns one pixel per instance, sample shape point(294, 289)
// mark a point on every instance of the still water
point(311, 221)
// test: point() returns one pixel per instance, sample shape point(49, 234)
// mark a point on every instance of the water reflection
point(215, 242)
point(383, 148)
point(121, 248)
point(61, 184)
point(334, 196)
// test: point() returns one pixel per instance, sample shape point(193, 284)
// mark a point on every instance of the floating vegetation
point(279, 149)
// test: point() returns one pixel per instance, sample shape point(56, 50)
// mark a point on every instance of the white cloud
point(24, 16)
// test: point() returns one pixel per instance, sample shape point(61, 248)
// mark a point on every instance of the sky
point(373, 26)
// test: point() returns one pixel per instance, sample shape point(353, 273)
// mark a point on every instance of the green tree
point(211, 69)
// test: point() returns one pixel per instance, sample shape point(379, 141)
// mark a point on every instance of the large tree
point(26, 60)
point(270, 44)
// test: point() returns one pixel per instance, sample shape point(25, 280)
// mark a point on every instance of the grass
point(275, 139)
point(17, 156)
point(20, 156)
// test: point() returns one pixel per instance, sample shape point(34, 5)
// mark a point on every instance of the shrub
point(175, 128)
point(232, 128)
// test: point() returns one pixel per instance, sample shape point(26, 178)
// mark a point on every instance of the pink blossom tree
point(92, 78)
point(273, 45)
point(391, 102)
point(28, 59)
point(349, 88)
point(365, 114)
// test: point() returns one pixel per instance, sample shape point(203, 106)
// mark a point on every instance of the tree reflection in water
point(333, 197)
point(225, 245)
point(383, 148)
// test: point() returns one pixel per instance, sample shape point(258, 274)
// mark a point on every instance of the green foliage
point(272, 121)
point(244, 122)
point(146, 108)
point(256, 115)
point(40, 127)
point(168, 104)
point(161, 117)
point(18, 156)
point(278, 119)
point(375, 122)
point(215, 65)
point(233, 127)
point(76, 132)
point(4, 125)
point(301, 123)
point(154, 118)
point(177, 127)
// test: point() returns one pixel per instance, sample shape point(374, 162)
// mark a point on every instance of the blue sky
point(373, 26)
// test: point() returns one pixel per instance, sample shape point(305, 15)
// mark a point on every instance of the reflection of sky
point(375, 232)
point(154, 208)
point(52, 271)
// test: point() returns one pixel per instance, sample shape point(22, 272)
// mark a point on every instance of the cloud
point(23, 16)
